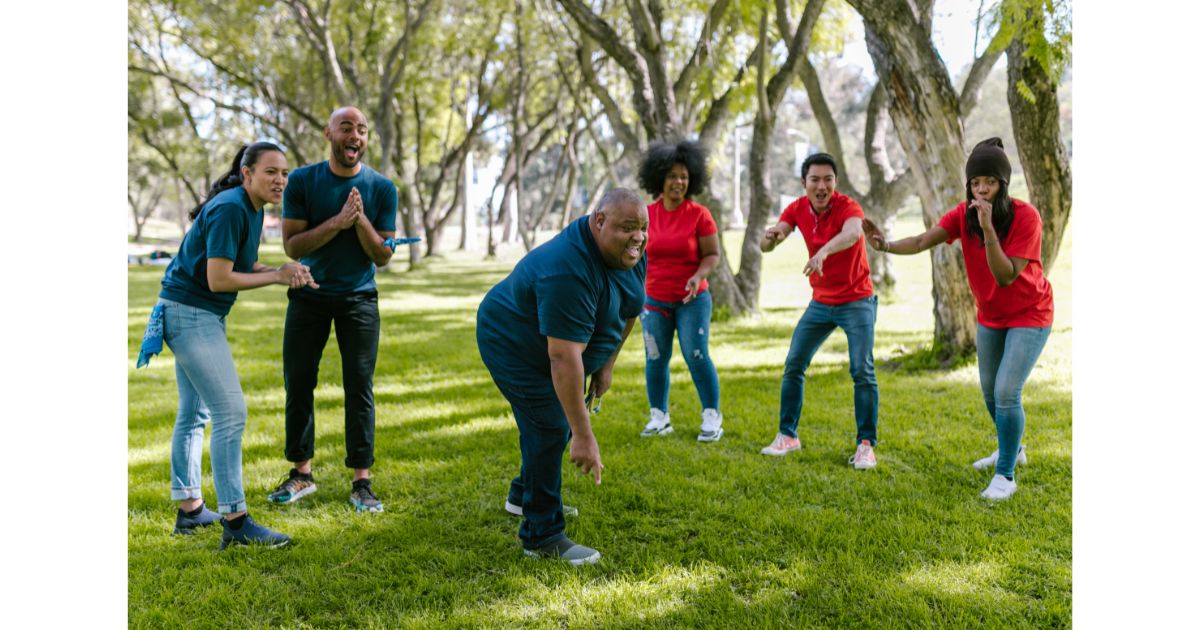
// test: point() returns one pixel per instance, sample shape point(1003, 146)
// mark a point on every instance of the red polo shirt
point(1029, 300)
point(845, 276)
point(673, 248)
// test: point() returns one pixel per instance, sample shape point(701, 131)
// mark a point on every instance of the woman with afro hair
point(682, 250)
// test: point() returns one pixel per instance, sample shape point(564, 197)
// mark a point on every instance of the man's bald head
point(347, 135)
point(348, 111)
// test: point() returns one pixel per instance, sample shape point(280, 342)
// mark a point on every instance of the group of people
point(551, 331)
point(561, 316)
point(338, 217)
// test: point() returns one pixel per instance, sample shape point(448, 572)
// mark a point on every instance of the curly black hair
point(663, 155)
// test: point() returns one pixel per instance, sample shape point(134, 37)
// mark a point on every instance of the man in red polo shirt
point(843, 296)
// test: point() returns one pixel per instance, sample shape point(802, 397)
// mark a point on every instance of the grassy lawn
point(693, 535)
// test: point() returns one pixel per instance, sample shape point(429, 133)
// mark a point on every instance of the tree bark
point(925, 111)
point(1039, 141)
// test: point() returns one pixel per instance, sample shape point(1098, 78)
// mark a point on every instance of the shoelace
point(290, 483)
point(364, 491)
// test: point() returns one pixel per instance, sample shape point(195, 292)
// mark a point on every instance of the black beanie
point(988, 158)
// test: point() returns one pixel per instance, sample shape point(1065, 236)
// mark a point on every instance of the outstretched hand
point(874, 235)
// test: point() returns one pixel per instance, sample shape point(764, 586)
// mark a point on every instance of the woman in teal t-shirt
point(218, 258)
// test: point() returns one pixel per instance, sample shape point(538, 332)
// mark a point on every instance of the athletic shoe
point(1000, 489)
point(990, 460)
point(710, 426)
point(782, 445)
point(251, 533)
point(516, 510)
point(362, 498)
point(863, 457)
point(660, 424)
point(564, 549)
point(186, 525)
point(297, 486)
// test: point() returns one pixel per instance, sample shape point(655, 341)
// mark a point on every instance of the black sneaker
point(362, 498)
point(186, 525)
point(297, 486)
point(251, 533)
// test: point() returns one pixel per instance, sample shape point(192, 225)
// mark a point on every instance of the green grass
point(692, 535)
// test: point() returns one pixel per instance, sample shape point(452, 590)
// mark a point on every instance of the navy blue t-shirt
point(315, 194)
point(229, 227)
point(561, 289)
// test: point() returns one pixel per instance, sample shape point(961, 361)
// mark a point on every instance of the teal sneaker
point(297, 486)
point(363, 499)
point(564, 549)
point(251, 533)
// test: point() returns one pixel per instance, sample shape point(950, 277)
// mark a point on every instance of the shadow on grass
point(694, 535)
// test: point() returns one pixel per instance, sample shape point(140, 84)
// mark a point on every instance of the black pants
point(355, 319)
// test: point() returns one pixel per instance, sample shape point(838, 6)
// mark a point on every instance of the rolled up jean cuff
point(226, 508)
point(183, 494)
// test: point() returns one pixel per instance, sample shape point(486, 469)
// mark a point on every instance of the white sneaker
point(710, 426)
point(990, 460)
point(660, 424)
point(781, 446)
point(1000, 489)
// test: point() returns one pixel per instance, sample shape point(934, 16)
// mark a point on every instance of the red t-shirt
point(1029, 300)
point(845, 276)
point(673, 249)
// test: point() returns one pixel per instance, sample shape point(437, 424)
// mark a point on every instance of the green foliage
point(712, 536)
point(1044, 26)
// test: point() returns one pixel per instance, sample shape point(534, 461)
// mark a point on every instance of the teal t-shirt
point(560, 289)
point(229, 227)
point(315, 194)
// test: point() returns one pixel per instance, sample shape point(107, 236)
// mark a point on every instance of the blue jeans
point(544, 434)
point(660, 321)
point(208, 391)
point(1006, 358)
point(857, 318)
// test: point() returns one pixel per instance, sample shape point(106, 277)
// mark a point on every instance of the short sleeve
point(294, 206)
point(705, 226)
point(1025, 236)
point(225, 230)
point(566, 307)
point(952, 222)
point(853, 210)
point(789, 213)
point(385, 211)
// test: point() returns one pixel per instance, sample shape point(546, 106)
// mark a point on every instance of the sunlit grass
point(692, 535)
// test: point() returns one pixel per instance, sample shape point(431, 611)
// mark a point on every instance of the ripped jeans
point(660, 321)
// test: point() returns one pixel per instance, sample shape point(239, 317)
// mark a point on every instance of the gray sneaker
point(516, 510)
point(576, 555)
point(363, 499)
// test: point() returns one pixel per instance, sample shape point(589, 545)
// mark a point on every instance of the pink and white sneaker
point(781, 446)
point(863, 457)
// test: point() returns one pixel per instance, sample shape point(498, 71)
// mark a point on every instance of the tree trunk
point(1039, 142)
point(925, 112)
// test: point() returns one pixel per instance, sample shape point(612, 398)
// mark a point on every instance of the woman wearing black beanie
point(1002, 252)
